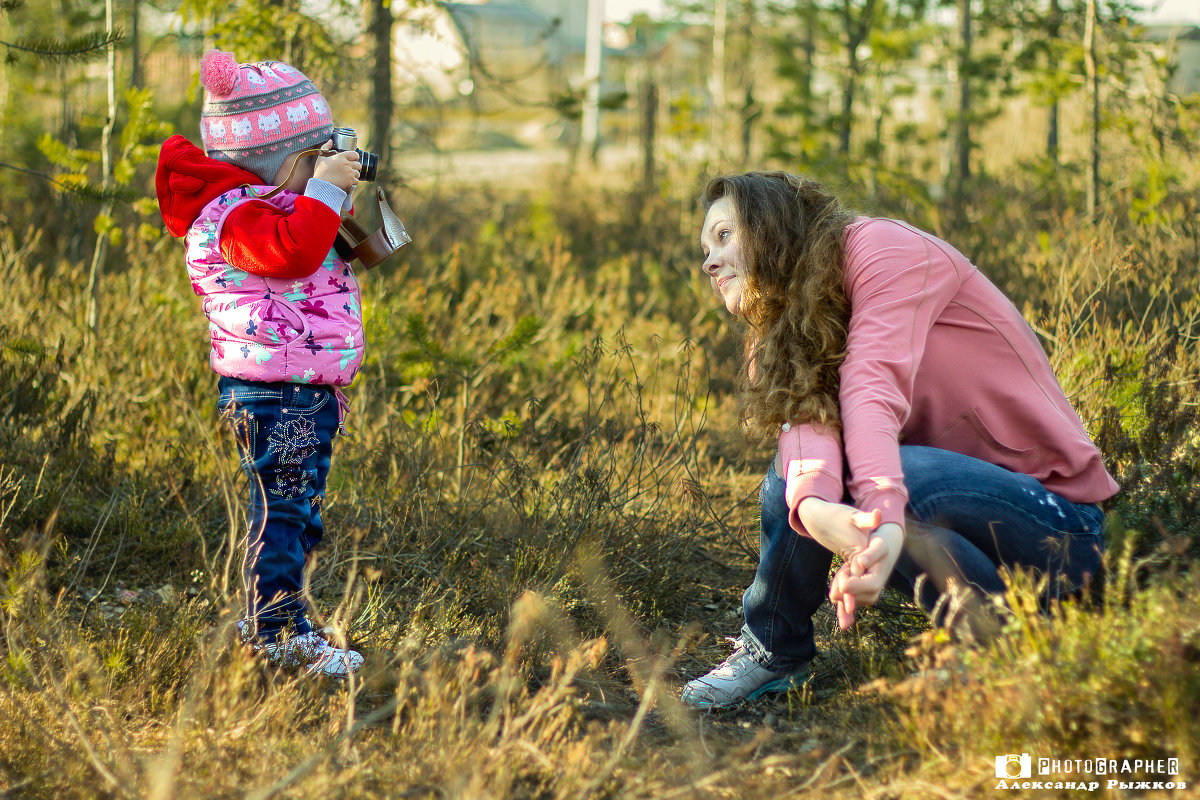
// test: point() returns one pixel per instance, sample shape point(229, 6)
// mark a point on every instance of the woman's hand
point(839, 528)
point(862, 577)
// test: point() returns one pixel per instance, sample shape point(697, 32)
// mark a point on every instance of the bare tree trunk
point(1052, 132)
point(716, 84)
point(808, 43)
point(647, 133)
point(850, 87)
point(810, 51)
point(106, 208)
point(135, 55)
point(963, 145)
point(750, 113)
point(750, 110)
point(845, 124)
point(1093, 82)
point(856, 33)
point(380, 102)
point(5, 84)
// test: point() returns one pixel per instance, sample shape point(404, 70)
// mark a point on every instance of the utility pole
point(593, 52)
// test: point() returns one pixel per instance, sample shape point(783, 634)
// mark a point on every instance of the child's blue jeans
point(978, 517)
point(285, 434)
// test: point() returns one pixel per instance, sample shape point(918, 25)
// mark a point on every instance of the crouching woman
point(921, 433)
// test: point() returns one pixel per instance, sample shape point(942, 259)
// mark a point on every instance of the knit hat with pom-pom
point(256, 115)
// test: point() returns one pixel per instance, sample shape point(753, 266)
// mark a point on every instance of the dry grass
point(540, 529)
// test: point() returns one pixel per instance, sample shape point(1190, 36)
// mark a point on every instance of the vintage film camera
point(345, 139)
point(353, 240)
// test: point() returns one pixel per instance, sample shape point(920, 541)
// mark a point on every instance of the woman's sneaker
point(309, 653)
point(738, 679)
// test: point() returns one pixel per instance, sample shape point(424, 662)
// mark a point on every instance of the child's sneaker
point(309, 652)
point(738, 679)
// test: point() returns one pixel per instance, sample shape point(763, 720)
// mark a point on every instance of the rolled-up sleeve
point(811, 456)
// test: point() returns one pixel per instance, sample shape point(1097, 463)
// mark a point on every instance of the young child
point(284, 313)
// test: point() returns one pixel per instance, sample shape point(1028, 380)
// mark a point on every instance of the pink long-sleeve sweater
point(936, 356)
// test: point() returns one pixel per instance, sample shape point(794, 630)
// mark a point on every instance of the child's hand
point(341, 169)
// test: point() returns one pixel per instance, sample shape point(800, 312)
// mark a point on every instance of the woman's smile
point(723, 254)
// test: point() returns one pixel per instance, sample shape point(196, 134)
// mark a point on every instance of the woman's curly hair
point(792, 234)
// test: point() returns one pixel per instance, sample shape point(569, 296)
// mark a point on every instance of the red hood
point(187, 181)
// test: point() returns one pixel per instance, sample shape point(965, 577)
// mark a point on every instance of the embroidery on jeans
point(291, 483)
point(294, 440)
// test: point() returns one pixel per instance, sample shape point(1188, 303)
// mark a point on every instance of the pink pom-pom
point(219, 73)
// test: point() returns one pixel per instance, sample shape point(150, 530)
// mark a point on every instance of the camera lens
point(370, 165)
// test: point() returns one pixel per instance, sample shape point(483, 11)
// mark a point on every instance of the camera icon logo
point(1014, 766)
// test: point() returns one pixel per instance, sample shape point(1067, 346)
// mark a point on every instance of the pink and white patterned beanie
point(256, 115)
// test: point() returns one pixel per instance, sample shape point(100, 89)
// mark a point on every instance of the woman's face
point(723, 254)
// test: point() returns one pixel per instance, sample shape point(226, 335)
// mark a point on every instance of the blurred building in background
point(1179, 45)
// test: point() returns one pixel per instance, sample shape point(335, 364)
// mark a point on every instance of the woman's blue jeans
point(285, 434)
point(967, 519)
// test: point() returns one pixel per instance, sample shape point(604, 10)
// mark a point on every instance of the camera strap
point(353, 240)
point(316, 151)
point(372, 248)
